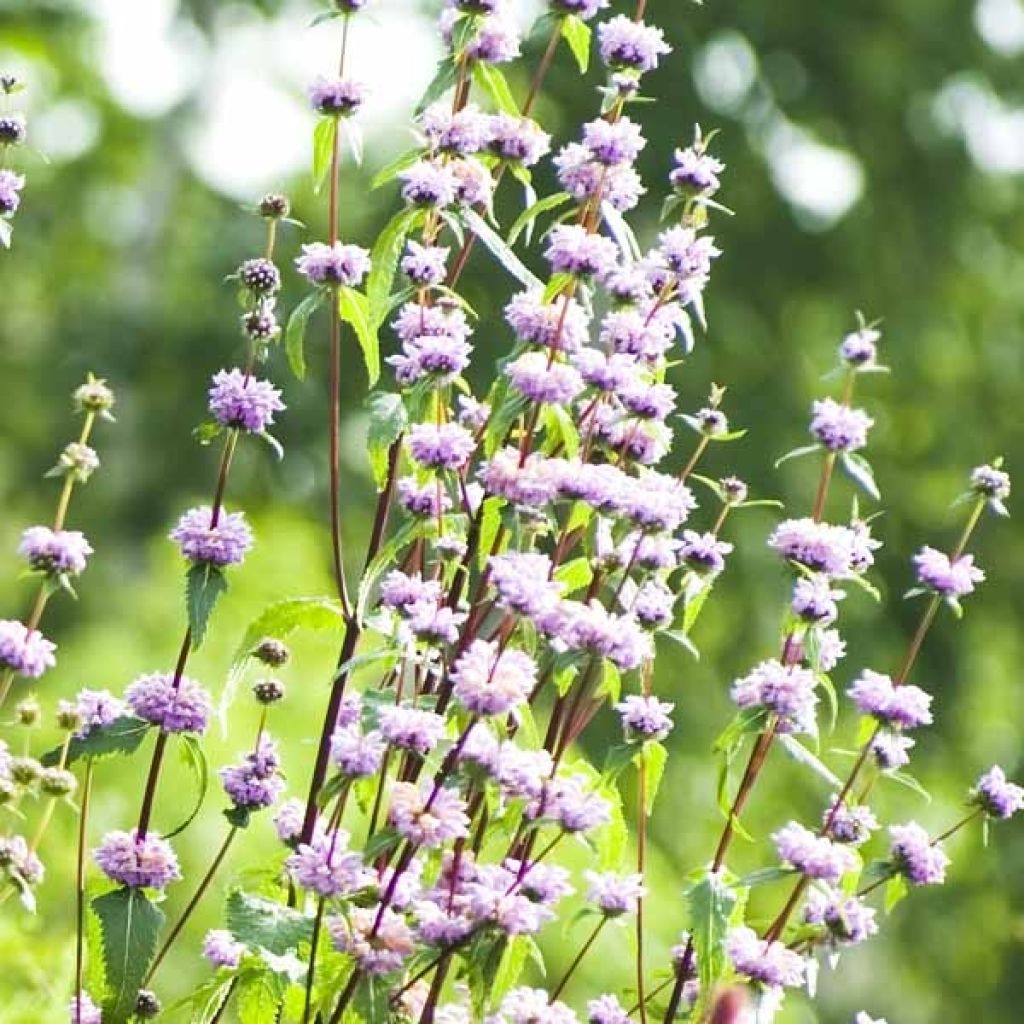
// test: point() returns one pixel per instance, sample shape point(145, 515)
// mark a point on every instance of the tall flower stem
point(83, 832)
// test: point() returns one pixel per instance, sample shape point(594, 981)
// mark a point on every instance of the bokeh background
point(875, 153)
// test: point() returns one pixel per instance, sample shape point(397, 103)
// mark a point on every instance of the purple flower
point(613, 142)
point(202, 541)
point(949, 578)
point(891, 750)
point(572, 249)
point(990, 481)
point(585, 178)
point(96, 709)
point(531, 1006)
point(327, 867)
point(850, 825)
point(996, 795)
point(357, 755)
point(222, 950)
point(548, 324)
point(424, 265)
point(18, 859)
point(460, 133)
point(571, 802)
point(847, 919)
point(428, 184)
point(606, 1009)
point(496, 41)
point(441, 356)
point(423, 501)
point(784, 690)
point(615, 894)
point(517, 138)
point(652, 605)
point(533, 483)
point(696, 172)
point(915, 856)
point(632, 332)
point(648, 401)
point(837, 551)
point(814, 600)
point(337, 264)
point(260, 276)
point(414, 320)
point(860, 348)
point(240, 400)
point(769, 963)
point(140, 863)
point(838, 427)
point(25, 651)
point(288, 820)
point(13, 130)
point(688, 255)
point(379, 940)
point(337, 97)
point(584, 9)
point(905, 707)
point(590, 627)
point(155, 699)
point(704, 553)
point(645, 718)
point(82, 1010)
point(400, 591)
point(814, 856)
point(11, 185)
point(628, 44)
point(540, 380)
point(657, 502)
point(440, 447)
point(445, 818)
point(55, 552)
point(523, 582)
point(474, 185)
point(411, 728)
point(255, 782)
point(492, 682)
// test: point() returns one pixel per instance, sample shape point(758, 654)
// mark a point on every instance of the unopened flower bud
point(260, 276)
point(712, 422)
point(147, 1005)
point(78, 461)
point(25, 770)
point(734, 490)
point(260, 324)
point(68, 717)
point(273, 206)
point(57, 782)
point(12, 130)
point(28, 711)
point(272, 652)
point(93, 396)
point(268, 691)
point(8, 791)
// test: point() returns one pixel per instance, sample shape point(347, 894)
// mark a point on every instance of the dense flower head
point(497, 40)
point(424, 265)
point(422, 500)
point(532, 483)
point(914, 855)
point(769, 963)
point(13, 129)
point(440, 356)
point(489, 681)
point(689, 256)
point(814, 600)
point(839, 427)
point(891, 750)
point(18, 859)
point(441, 447)
point(11, 185)
point(652, 604)
point(541, 380)
point(223, 544)
point(996, 795)
point(531, 1006)
point(260, 324)
point(632, 45)
point(645, 717)
point(240, 400)
point(562, 325)
point(847, 919)
point(579, 626)
point(696, 171)
point(221, 949)
point(336, 96)
point(288, 820)
point(82, 1010)
point(25, 651)
point(260, 276)
point(523, 582)
point(905, 707)
point(255, 782)
point(785, 690)
point(613, 142)
point(428, 826)
point(606, 1009)
point(860, 347)
point(990, 481)
point(401, 591)
point(658, 502)
point(584, 177)
point(474, 185)
point(585, 9)
point(357, 755)
point(96, 709)
point(431, 624)
point(519, 139)
point(182, 708)
point(704, 553)
point(411, 728)
point(146, 862)
point(456, 132)
point(814, 856)
point(378, 940)
point(948, 577)
point(326, 866)
point(837, 551)
point(78, 461)
point(572, 249)
point(428, 183)
point(55, 552)
point(93, 396)
point(851, 824)
point(635, 333)
point(571, 802)
point(337, 264)
point(614, 894)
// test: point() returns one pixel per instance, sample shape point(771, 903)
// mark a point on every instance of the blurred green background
point(875, 153)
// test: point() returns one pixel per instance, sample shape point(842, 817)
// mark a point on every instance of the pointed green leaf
point(500, 250)
point(384, 259)
point(193, 757)
point(654, 757)
point(354, 309)
point(711, 902)
point(295, 332)
point(388, 420)
point(204, 583)
point(122, 736)
point(391, 170)
point(262, 923)
point(492, 81)
point(531, 213)
point(576, 32)
point(323, 149)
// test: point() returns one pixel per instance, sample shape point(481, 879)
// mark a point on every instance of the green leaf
point(388, 420)
point(208, 431)
point(558, 285)
point(531, 213)
point(409, 531)
point(859, 470)
point(354, 309)
point(491, 80)
point(797, 453)
point(695, 605)
point(574, 575)
point(393, 169)
point(259, 922)
point(490, 524)
point(295, 332)
point(500, 250)
point(513, 961)
point(611, 682)
point(129, 924)
point(442, 81)
point(204, 583)
point(654, 756)
point(123, 736)
point(6, 232)
point(895, 890)
point(324, 135)
point(765, 876)
point(193, 757)
point(560, 430)
point(384, 259)
point(576, 32)
point(800, 753)
point(711, 902)
point(260, 993)
point(745, 721)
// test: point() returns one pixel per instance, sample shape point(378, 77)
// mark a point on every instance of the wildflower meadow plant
point(535, 547)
